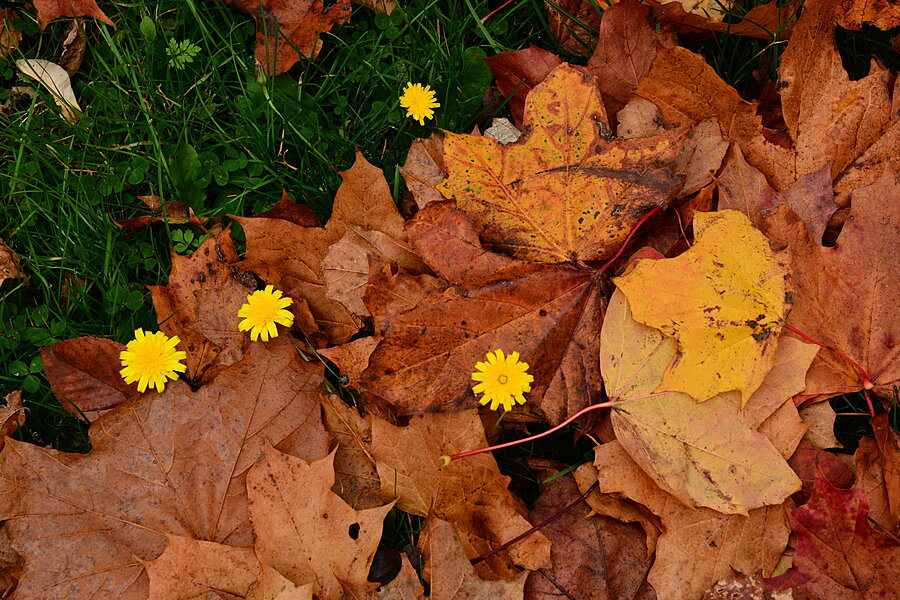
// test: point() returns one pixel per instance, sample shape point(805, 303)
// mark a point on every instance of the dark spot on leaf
point(762, 335)
point(542, 312)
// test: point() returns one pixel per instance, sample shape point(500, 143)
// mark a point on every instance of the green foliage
point(180, 53)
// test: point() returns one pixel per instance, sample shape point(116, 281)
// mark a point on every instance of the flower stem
point(866, 382)
point(555, 516)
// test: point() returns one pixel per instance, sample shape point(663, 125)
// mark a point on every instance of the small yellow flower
point(150, 358)
point(419, 102)
point(503, 380)
point(263, 310)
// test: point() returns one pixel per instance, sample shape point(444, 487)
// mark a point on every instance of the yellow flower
point(150, 358)
point(503, 380)
point(264, 308)
point(418, 102)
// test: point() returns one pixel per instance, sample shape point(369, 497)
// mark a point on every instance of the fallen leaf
point(723, 300)
point(618, 508)
point(704, 150)
point(84, 375)
point(517, 72)
point(820, 418)
point(9, 35)
point(352, 358)
point(406, 585)
point(320, 540)
point(572, 23)
point(550, 314)
point(698, 546)
point(47, 10)
point(503, 131)
point(288, 210)
point(391, 291)
point(871, 475)
point(786, 379)
point(56, 80)
point(74, 45)
point(889, 444)
point(743, 587)
point(9, 263)
point(149, 474)
point(808, 461)
point(843, 296)
point(470, 493)
point(12, 416)
point(285, 29)
point(561, 193)
point(626, 48)
point(839, 555)
point(451, 576)
point(853, 14)
point(10, 563)
point(703, 454)
point(424, 168)
point(200, 302)
point(766, 21)
point(744, 188)
point(639, 118)
point(594, 557)
point(356, 478)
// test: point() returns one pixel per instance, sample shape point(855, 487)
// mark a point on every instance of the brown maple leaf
point(84, 375)
point(853, 14)
point(844, 295)
point(561, 193)
point(287, 29)
point(470, 493)
point(47, 10)
point(517, 72)
point(594, 557)
point(550, 314)
point(698, 546)
point(839, 555)
point(162, 463)
point(307, 532)
point(9, 262)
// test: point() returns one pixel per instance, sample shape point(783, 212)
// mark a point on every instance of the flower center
point(503, 379)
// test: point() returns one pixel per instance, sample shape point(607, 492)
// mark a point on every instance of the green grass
point(175, 108)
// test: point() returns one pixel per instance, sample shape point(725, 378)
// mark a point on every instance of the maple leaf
point(838, 554)
point(831, 120)
point(290, 256)
point(470, 493)
point(743, 187)
point(808, 461)
point(356, 478)
point(549, 314)
point(190, 569)
point(319, 540)
point(9, 263)
point(450, 573)
point(759, 22)
point(859, 272)
point(703, 454)
point(878, 473)
point(572, 23)
point(698, 546)
point(724, 300)
point(12, 416)
point(287, 29)
point(184, 306)
point(424, 168)
point(593, 556)
point(47, 10)
point(561, 193)
point(84, 522)
point(84, 375)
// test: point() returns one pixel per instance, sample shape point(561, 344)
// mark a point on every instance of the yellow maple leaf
point(724, 301)
point(562, 192)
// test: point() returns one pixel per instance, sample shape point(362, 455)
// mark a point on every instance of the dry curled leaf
point(56, 80)
point(47, 10)
point(9, 263)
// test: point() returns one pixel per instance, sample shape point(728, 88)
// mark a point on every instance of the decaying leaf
point(561, 193)
point(573, 23)
point(703, 454)
point(518, 71)
point(356, 478)
point(450, 573)
point(698, 546)
point(47, 10)
point(744, 188)
point(550, 314)
point(320, 540)
point(594, 557)
point(84, 375)
point(853, 14)
point(724, 300)
point(9, 263)
point(9, 35)
point(470, 492)
point(424, 169)
point(839, 555)
point(56, 80)
point(84, 522)
point(12, 416)
point(200, 302)
point(844, 296)
point(286, 30)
